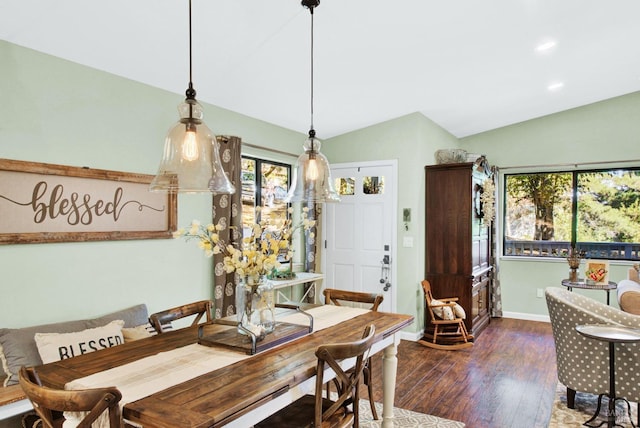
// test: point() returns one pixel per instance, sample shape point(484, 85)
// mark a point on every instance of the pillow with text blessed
point(59, 346)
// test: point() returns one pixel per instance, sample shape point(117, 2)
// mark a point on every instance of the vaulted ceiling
point(468, 65)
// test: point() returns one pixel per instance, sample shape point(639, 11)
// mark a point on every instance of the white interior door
point(361, 230)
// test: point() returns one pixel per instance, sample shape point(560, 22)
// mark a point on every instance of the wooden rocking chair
point(449, 330)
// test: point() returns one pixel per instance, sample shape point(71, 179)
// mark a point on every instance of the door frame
point(393, 163)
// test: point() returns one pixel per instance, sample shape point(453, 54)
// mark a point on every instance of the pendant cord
point(190, 48)
point(311, 10)
point(191, 93)
point(311, 5)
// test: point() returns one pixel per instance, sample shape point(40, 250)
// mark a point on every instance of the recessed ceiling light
point(555, 86)
point(546, 46)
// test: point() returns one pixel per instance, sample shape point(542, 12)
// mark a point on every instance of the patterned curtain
point(310, 245)
point(496, 291)
point(227, 211)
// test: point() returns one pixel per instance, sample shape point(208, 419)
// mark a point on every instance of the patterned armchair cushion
point(583, 363)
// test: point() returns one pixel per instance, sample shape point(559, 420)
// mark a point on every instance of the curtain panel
point(496, 290)
point(227, 211)
point(310, 246)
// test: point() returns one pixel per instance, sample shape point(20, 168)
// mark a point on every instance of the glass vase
point(255, 306)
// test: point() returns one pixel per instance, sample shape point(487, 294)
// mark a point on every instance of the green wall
point(412, 141)
point(58, 112)
point(605, 132)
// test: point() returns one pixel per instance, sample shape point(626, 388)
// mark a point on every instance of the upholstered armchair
point(583, 364)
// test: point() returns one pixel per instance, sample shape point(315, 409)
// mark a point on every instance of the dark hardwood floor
point(507, 379)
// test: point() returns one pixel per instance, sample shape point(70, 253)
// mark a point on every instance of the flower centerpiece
point(263, 246)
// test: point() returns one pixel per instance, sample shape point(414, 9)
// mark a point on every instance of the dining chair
point(50, 403)
point(162, 321)
point(338, 298)
point(318, 411)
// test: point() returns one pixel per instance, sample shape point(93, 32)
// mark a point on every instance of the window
point(346, 186)
point(373, 185)
point(596, 211)
point(266, 182)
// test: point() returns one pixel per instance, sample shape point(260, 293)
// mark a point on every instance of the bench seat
point(13, 402)
point(18, 348)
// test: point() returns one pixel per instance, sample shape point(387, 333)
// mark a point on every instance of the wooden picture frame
point(42, 203)
point(597, 272)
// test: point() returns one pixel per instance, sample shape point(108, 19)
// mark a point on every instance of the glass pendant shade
point(190, 161)
point(312, 180)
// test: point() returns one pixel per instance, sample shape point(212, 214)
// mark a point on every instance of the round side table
point(582, 284)
point(612, 334)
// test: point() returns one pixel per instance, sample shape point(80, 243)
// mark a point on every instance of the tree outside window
point(266, 182)
point(596, 211)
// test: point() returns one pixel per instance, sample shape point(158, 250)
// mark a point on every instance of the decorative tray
point(247, 341)
point(230, 338)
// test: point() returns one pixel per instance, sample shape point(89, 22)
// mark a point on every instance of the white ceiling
point(468, 65)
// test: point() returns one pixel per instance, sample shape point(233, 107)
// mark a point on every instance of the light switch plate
point(407, 241)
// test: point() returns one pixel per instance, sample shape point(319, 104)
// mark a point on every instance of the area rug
point(403, 418)
point(564, 417)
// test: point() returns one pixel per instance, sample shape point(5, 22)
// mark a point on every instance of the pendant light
point(312, 176)
point(191, 160)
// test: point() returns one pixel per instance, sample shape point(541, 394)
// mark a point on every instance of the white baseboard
point(528, 317)
point(414, 337)
point(410, 336)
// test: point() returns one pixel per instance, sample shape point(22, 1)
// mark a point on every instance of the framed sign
point(55, 203)
point(597, 272)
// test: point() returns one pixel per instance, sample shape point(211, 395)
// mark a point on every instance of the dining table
point(178, 382)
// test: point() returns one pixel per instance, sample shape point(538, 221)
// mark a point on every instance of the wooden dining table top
point(220, 396)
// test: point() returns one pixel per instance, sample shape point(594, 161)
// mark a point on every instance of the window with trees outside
point(595, 211)
point(264, 184)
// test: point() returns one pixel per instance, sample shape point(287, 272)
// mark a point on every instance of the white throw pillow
point(442, 312)
point(59, 346)
point(459, 311)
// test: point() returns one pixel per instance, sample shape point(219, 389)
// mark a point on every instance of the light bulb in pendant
point(190, 144)
point(312, 169)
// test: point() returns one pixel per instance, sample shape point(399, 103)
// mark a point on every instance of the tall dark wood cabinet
point(457, 242)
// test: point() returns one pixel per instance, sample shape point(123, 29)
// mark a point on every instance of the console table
point(301, 278)
point(582, 284)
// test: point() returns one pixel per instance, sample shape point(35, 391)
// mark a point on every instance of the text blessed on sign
point(55, 203)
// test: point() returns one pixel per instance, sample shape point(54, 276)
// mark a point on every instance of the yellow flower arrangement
point(259, 251)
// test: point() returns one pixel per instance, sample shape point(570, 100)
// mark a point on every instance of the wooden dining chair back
point(449, 330)
point(339, 297)
point(162, 321)
point(50, 403)
point(336, 297)
point(318, 411)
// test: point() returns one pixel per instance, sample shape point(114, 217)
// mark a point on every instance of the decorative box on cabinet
point(458, 244)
